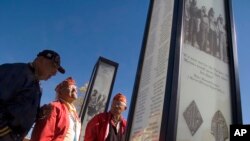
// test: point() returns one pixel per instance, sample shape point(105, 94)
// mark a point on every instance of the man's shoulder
point(14, 65)
point(56, 104)
point(17, 71)
point(124, 121)
point(101, 116)
point(59, 106)
point(51, 108)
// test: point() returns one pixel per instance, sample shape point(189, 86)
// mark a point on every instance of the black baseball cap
point(53, 56)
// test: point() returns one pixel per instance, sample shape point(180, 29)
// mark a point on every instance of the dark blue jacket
point(20, 96)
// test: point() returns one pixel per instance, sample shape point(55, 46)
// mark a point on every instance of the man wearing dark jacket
point(20, 93)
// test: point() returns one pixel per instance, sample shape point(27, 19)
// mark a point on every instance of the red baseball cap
point(120, 97)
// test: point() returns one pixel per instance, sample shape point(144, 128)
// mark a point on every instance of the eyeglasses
point(119, 104)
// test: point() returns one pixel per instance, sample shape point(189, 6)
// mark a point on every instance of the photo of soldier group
point(96, 104)
point(204, 30)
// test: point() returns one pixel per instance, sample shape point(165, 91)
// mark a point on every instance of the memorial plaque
point(187, 72)
point(205, 75)
point(99, 91)
point(193, 117)
point(146, 114)
point(219, 127)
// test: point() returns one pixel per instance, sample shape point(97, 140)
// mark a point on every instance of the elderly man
point(20, 93)
point(108, 126)
point(63, 123)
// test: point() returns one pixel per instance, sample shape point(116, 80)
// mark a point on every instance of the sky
point(83, 30)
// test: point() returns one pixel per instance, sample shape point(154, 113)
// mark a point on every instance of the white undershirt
point(73, 130)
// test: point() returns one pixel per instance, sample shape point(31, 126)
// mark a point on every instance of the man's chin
point(46, 78)
point(74, 97)
point(116, 113)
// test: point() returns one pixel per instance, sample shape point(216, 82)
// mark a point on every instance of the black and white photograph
point(204, 72)
point(96, 104)
point(98, 98)
point(204, 27)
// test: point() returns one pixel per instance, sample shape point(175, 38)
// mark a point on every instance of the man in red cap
point(108, 126)
point(63, 123)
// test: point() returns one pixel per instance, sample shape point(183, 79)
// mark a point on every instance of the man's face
point(47, 68)
point(117, 107)
point(204, 10)
point(69, 93)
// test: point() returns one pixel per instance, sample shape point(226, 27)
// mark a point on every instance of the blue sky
point(81, 31)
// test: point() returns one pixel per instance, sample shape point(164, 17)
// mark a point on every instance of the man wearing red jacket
point(62, 124)
point(108, 126)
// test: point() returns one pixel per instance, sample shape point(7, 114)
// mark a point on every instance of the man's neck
point(33, 65)
point(69, 105)
point(116, 117)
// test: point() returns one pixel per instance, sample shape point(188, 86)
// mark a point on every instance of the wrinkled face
point(68, 94)
point(117, 107)
point(46, 68)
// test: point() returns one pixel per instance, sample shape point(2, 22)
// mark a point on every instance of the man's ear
point(62, 91)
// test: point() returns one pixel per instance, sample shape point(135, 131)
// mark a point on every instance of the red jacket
point(98, 127)
point(54, 127)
